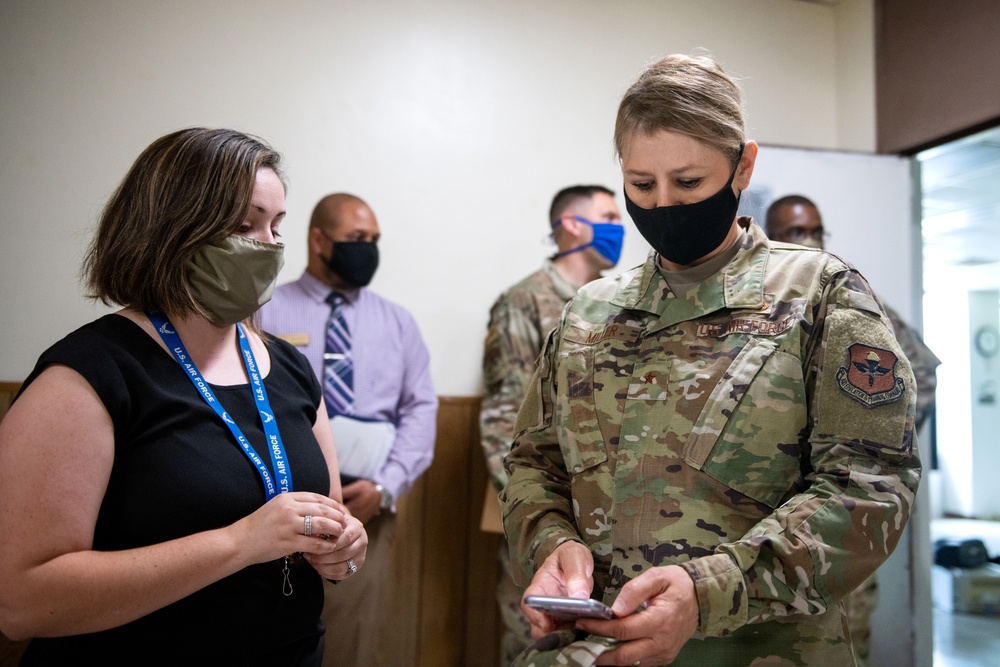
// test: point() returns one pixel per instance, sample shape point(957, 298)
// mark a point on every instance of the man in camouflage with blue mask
point(586, 227)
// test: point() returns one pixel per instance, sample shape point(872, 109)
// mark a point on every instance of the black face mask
point(683, 233)
point(354, 261)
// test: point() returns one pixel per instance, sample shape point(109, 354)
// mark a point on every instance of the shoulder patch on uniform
point(870, 377)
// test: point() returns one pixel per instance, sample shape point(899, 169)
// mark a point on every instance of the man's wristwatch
point(386, 501)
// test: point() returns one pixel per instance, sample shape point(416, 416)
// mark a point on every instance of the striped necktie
point(338, 367)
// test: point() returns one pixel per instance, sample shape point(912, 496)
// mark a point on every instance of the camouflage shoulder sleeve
point(536, 502)
point(922, 360)
point(861, 472)
point(511, 347)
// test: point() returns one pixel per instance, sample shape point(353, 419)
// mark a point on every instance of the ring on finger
point(351, 566)
point(307, 525)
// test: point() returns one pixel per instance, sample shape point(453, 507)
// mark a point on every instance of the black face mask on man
point(683, 233)
point(354, 261)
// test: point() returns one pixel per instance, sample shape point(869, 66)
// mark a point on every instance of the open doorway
point(960, 212)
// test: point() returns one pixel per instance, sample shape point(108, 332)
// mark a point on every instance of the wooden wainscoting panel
point(8, 390)
point(443, 618)
point(403, 647)
point(446, 567)
point(484, 626)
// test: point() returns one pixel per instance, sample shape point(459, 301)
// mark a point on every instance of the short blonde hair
point(690, 95)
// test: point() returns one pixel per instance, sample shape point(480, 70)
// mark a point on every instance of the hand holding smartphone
point(569, 609)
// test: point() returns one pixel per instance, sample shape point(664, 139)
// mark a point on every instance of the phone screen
point(569, 608)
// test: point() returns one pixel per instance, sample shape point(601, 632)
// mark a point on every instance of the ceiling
point(960, 185)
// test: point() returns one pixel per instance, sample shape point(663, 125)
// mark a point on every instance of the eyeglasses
point(800, 234)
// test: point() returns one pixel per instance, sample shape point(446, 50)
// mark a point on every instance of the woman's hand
point(350, 547)
point(277, 528)
point(567, 572)
point(656, 634)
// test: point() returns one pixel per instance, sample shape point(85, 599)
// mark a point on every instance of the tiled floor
point(966, 640)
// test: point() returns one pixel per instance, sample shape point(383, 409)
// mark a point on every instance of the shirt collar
point(318, 291)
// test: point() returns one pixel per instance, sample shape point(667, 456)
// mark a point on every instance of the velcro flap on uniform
point(858, 300)
point(587, 336)
point(866, 391)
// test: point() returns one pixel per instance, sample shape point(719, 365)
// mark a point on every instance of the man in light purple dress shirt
point(394, 405)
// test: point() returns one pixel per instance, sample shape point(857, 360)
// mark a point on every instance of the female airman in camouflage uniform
point(719, 443)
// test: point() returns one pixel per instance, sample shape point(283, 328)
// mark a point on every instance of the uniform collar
point(739, 285)
point(564, 288)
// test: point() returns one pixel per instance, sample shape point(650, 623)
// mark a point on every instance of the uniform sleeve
point(860, 468)
point(923, 362)
point(512, 345)
point(536, 502)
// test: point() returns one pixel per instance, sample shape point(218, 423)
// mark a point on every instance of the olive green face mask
point(233, 277)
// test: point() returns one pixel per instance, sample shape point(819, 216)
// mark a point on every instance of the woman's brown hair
point(186, 189)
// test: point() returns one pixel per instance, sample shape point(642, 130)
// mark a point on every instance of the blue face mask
point(607, 239)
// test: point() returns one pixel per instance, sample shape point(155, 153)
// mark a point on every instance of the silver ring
point(307, 522)
point(351, 566)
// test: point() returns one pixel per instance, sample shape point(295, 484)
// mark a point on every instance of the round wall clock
point(987, 340)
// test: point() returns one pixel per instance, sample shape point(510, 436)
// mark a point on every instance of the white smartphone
point(569, 608)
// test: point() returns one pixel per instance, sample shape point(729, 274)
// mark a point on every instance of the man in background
point(374, 368)
point(795, 219)
point(588, 233)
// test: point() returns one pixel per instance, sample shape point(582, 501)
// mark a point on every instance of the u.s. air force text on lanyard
point(278, 459)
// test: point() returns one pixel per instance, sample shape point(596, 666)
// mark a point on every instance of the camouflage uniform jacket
point(922, 360)
point(757, 431)
point(519, 321)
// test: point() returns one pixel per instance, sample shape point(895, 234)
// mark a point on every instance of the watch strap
point(386, 497)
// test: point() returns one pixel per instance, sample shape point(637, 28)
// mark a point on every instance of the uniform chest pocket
point(580, 437)
point(748, 435)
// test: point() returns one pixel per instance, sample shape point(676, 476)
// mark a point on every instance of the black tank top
point(178, 471)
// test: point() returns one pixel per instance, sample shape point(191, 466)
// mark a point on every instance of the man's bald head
point(339, 210)
point(338, 218)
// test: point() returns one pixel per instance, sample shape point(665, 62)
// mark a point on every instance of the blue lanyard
point(278, 459)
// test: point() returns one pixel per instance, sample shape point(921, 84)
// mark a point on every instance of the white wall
point(457, 121)
point(984, 394)
point(855, 72)
point(951, 337)
point(968, 410)
point(865, 204)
